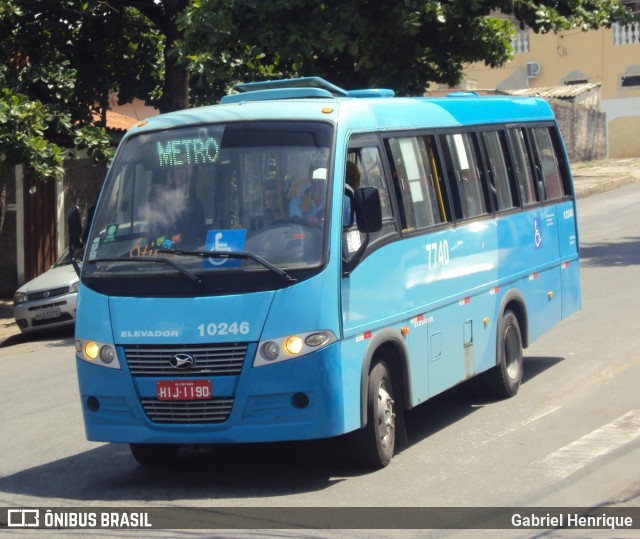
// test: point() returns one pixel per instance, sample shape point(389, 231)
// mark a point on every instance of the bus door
point(553, 170)
point(364, 292)
point(546, 234)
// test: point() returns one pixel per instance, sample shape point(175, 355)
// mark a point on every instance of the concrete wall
point(624, 137)
point(623, 116)
point(583, 129)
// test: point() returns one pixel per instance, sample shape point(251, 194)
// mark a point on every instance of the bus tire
point(504, 379)
point(154, 455)
point(373, 446)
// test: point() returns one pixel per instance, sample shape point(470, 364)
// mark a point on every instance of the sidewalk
point(599, 176)
point(9, 331)
point(589, 179)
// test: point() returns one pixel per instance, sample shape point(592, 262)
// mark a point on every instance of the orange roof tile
point(117, 121)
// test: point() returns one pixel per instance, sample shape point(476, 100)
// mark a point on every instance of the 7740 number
point(438, 254)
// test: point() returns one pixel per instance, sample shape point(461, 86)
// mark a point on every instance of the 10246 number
point(224, 328)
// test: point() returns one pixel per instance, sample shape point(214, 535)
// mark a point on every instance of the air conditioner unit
point(533, 69)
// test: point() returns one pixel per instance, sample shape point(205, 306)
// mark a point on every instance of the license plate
point(183, 390)
point(50, 312)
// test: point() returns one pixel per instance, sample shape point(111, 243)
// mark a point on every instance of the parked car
point(49, 300)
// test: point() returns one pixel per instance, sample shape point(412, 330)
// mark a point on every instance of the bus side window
point(522, 166)
point(368, 161)
point(439, 199)
point(561, 159)
point(470, 198)
point(499, 168)
point(417, 182)
point(547, 163)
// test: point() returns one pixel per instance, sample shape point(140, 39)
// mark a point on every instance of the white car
point(49, 300)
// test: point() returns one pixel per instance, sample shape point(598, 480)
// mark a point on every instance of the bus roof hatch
point(302, 82)
point(303, 87)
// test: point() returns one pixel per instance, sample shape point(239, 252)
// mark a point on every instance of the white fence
point(626, 34)
point(520, 41)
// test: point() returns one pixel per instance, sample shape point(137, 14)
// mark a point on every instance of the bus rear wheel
point(504, 379)
point(373, 445)
point(154, 455)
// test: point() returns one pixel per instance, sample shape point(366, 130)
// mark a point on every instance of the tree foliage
point(401, 44)
point(62, 58)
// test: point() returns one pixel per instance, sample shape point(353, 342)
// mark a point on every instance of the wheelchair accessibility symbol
point(224, 241)
point(537, 234)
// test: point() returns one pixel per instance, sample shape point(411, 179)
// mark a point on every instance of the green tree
point(60, 61)
point(401, 44)
point(22, 126)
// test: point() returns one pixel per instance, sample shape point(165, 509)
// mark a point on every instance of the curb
point(600, 186)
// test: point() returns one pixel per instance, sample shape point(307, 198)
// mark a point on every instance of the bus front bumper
point(298, 399)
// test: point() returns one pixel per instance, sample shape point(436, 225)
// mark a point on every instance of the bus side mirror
point(368, 215)
point(368, 209)
point(75, 228)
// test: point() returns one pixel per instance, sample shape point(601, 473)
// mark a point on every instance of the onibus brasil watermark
point(65, 518)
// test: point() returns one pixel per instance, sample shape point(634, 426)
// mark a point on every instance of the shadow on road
point(461, 401)
point(109, 473)
point(21, 338)
point(623, 253)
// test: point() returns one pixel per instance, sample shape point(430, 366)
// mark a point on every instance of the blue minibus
point(302, 262)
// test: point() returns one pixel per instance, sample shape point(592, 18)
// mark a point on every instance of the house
point(608, 58)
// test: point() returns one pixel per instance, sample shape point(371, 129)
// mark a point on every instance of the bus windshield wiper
point(233, 254)
point(154, 259)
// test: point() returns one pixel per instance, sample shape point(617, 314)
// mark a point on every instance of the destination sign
point(197, 151)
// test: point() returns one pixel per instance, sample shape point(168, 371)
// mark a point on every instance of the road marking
point(576, 455)
point(528, 420)
point(541, 414)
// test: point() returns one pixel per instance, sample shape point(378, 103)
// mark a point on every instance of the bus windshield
point(217, 198)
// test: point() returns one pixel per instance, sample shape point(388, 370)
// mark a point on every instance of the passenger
point(353, 175)
point(352, 182)
point(308, 205)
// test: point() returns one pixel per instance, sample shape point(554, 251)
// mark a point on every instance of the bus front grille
point(211, 359)
point(216, 410)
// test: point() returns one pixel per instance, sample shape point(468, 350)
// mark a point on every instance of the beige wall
point(572, 55)
point(624, 137)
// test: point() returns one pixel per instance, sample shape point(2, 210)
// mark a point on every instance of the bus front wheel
point(154, 455)
point(505, 378)
point(373, 445)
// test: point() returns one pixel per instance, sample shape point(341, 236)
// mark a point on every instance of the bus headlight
point(91, 350)
point(97, 353)
point(270, 350)
point(292, 346)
